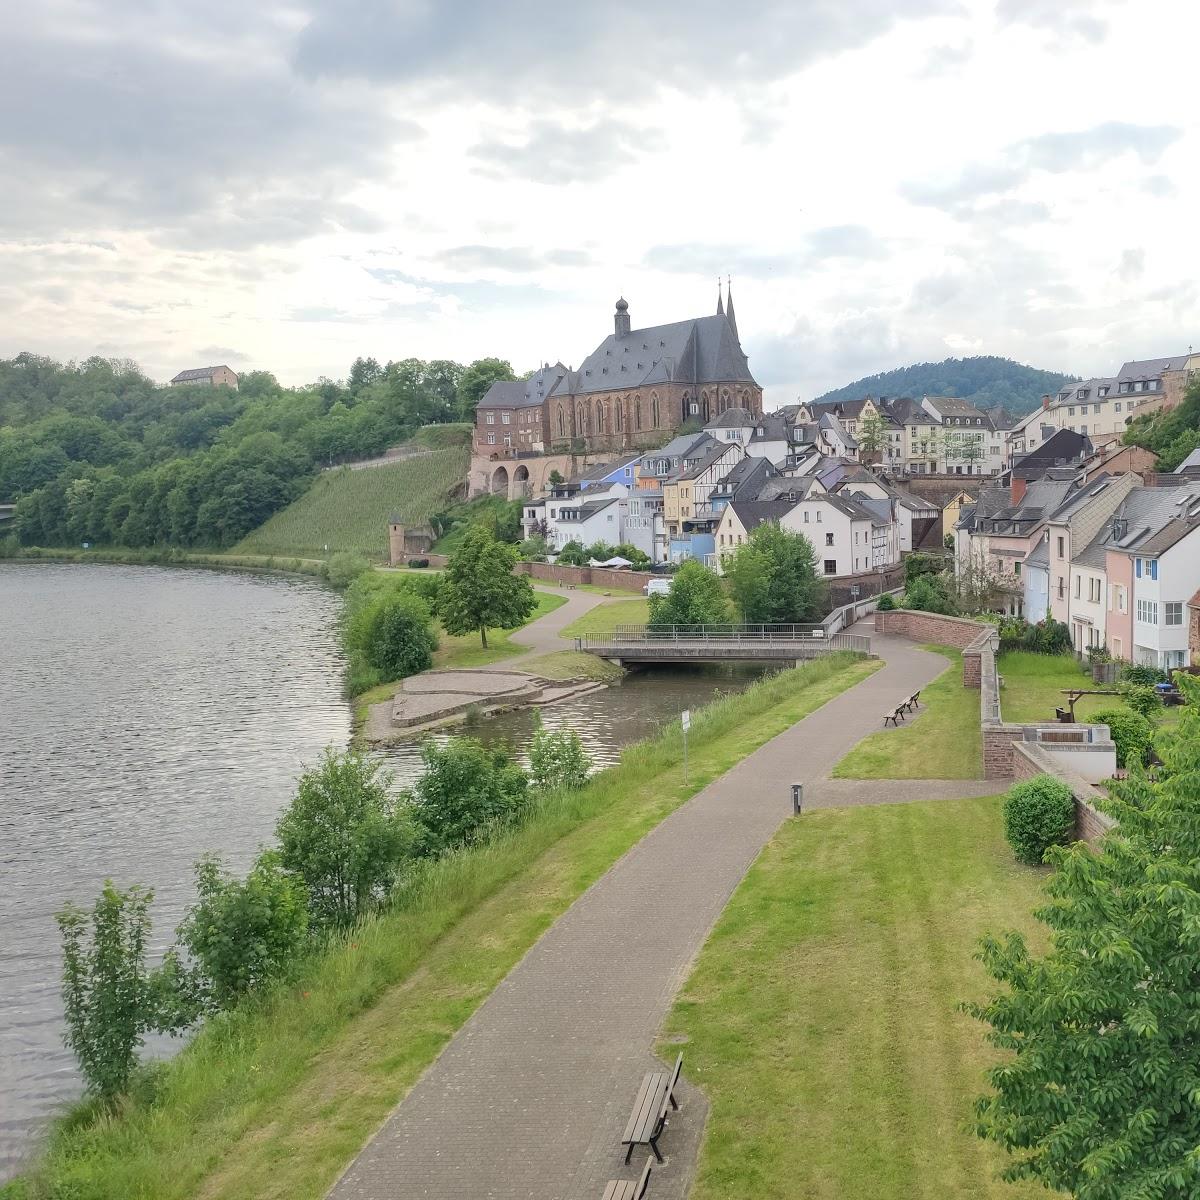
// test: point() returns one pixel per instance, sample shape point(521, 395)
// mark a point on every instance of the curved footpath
point(530, 1097)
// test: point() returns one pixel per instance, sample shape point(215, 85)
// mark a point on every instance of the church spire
point(720, 303)
point(729, 307)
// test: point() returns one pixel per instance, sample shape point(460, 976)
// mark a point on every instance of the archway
point(520, 482)
point(500, 481)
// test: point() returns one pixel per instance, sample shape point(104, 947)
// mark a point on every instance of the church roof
point(699, 351)
point(526, 393)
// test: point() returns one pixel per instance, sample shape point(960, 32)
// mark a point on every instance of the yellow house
point(951, 510)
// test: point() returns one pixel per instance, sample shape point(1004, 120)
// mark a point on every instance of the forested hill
point(986, 381)
point(96, 452)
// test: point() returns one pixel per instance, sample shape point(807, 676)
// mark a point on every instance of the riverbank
point(275, 1099)
point(132, 557)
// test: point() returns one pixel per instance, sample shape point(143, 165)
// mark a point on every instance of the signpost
point(685, 719)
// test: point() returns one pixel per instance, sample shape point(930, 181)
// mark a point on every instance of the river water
point(151, 715)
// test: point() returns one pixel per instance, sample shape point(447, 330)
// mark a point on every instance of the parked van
point(657, 587)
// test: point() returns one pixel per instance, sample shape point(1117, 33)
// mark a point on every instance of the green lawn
point(349, 510)
point(821, 1017)
point(604, 618)
point(1033, 686)
point(572, 664)
point(273, 1101)
point(941, 741)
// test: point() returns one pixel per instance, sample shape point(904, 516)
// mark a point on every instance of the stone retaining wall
point(929, 627)
point(1090, 823)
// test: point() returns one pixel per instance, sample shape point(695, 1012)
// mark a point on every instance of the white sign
point(685, 719)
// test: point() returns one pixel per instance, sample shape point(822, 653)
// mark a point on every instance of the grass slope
point(941, 742)
point(1033, 686)
point(349, 510)
point(821, 1016)
point(604, 618)
point(273, 1102)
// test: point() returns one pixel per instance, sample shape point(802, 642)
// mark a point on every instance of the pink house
point(1118, 619)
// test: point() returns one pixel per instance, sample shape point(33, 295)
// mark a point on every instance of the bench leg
point(628, 1153)
point(654, 1147)
point(674, 1102)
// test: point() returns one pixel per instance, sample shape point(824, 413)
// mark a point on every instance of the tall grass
point(273, 1099)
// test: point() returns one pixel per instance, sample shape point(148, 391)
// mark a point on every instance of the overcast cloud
point(291, 185)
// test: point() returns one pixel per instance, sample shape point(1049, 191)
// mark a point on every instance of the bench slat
point(645, 1108)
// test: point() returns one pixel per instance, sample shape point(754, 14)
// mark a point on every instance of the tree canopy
point(773, 577)
point(696, 598)
point(479, 590)
point(96, 452)
point(1098, 1094)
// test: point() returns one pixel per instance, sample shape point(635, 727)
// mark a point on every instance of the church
point(634, 390)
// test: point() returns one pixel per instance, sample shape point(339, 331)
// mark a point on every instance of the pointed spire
point(729, 307)
point(720, 304)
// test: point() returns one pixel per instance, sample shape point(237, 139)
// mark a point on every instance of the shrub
point(1142, 676)
point(241, 932)
point(344, 567)
point(1038, 813)
point(1144, 701)
point(697, 597)
point(1130, 731)
point(346, 836)
point(572, 555)
point(887, 602)
point(108, 995)
point(467, 789)
point(400, 636)
point(557, 760)
point(418, 564)
point(927, 593)
point(1046, 637)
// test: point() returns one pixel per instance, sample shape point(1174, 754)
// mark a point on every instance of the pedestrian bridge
point(718, 643)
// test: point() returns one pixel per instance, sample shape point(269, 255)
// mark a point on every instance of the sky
point(289, 186)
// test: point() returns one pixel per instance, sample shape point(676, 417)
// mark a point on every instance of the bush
point(344, 567)
point(400, 636)
point(557, 760)
point(887, 602)
point(697, 597)
point(1046, 637)
point(1038, 813)
point(241, 932)
point(467, 790)
point(418, 564)
point(1130, 731)
point(927, 593)
point(572, 555)
point(1144, 701)
point(346, 836)
point(108, 995)
point(1142, 676)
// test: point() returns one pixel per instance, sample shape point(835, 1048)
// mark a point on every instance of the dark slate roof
point(1069, 393)
point(1039, 556)
point(793, 487)
point(195, 373)
point(603, 469)
point(752, 513)
point(1192, 460)
point(745, 476)
point(592, 507)
point(702, 350)
point(732, 418)
point(1150, 368)
point(773, 426)
point(526, 393)
point(694, 466)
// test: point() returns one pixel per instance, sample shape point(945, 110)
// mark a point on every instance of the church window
point(637, 412)
point(617, 416)
point(562, 421)
point(654, 418)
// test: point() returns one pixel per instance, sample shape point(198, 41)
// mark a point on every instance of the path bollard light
point(797, 797)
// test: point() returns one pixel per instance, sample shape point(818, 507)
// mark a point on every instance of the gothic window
point(562, 420)
point(637, 412)
point(582, 413)
point(724, 402)
point(704, 407)
point(617, 416)
point(599, 417)
point(654, 420)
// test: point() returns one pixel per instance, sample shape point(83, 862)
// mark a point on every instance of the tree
point(1097, 1095)
point(400, 637)
point(241, 933)
point(467, 789)
point(928, 594)
point(696, 598)
point(773, 577)
point(555, 478)
point(476, 380)
point(346, 836)
point(557, 759)
point(572, 554)
point(107, 991)
point(480, 590)
point(871, 434)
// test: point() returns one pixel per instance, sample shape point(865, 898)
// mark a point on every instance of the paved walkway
point(530, 1097)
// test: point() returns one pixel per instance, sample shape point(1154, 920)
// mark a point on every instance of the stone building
point(221, 376)
point(636, 387)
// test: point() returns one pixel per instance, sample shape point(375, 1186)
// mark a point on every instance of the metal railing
point(708, 633)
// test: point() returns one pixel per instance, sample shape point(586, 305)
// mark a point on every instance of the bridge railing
point(708, 633)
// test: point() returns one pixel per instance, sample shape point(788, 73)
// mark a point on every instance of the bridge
point(718, 643)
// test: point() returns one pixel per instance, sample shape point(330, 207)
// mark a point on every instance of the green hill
point(349, 510)
point(986, 381)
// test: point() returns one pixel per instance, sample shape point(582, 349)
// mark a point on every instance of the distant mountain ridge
point(987, 381)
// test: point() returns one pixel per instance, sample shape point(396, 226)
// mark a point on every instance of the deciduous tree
point(479, 589)
point(773, 577)
point(696, 598)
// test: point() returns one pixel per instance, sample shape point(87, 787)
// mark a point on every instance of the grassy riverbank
point(272, 1101)
point(821, 1019)
point(129, 556)
point(941, 741)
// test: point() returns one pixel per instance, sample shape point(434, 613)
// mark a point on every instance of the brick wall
point(929, 627)
point(1090, 823)
point(621, 581)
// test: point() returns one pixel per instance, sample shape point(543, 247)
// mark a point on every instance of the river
point(153, 714)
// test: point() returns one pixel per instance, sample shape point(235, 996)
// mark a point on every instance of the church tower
point(621, 318)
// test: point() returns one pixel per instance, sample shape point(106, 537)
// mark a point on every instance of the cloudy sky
point(289, 185)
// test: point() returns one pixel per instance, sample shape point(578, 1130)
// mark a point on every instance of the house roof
point(1150, 368)
point(1150, 521)
point(699, 465)
point(526, 393)
point(194, 373)
point(745, 475)
point(1192, 460)
point(752, 513)
point(603, 469)
point(732, 418)
point(697, 351)
point(592, 507)
point(773, 426)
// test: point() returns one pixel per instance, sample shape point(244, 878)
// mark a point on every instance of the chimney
point(1045, 403)
point(621, 318)
point(1017, 489)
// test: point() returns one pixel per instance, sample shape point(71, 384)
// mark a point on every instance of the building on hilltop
point(221, 376)
point(636, 386)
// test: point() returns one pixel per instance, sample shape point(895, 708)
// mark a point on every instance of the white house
point(847, 536)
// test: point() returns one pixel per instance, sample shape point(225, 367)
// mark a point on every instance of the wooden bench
point(895, 716)
point(911, 703)
point(628, 1189)
point(649, 1116)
